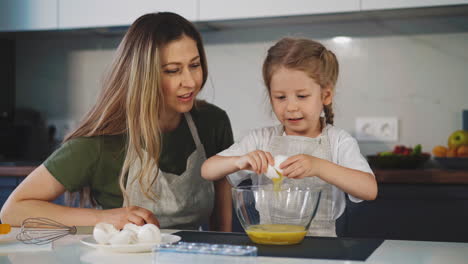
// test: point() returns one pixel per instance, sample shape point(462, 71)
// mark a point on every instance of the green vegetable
point(417, 150)
point(386, 153)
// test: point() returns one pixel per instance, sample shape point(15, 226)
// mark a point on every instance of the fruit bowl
point(398, 161)
point(453, 163)
point(276, 217)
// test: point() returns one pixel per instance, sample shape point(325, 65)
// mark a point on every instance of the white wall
point(386, 70)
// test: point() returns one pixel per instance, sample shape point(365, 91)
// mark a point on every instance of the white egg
point(102, 232)
point(149, 233)
point(132, 227)
point(278, 160)
point(124, 237)
point(272, 170)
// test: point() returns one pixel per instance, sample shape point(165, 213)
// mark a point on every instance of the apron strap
point(193, 130)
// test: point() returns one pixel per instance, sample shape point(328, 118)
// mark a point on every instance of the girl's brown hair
point(305, 55)
point(132, 99)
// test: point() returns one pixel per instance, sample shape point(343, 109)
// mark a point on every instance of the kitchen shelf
point(16, 171)
point(425, 176)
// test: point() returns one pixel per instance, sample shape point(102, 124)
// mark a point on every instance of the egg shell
point(271, 172)
point(124, 237)
point(278, 160)
point(132, 227)
point(149, 233)
point(102, 232)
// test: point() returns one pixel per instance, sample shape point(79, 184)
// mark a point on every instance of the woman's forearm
point(32, 199)
point(14, 212)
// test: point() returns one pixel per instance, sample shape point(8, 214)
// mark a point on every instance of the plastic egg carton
point(184, 252)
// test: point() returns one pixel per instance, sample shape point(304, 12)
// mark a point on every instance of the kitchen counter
point(16, 171)
point(426, 176)
point(429, 176)
point(70, 250)
point(410, 203)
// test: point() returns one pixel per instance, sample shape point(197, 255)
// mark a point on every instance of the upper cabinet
point(105, 13)
point(24, 15)
point(394, 4)
point(240, 9)
point(28, 15)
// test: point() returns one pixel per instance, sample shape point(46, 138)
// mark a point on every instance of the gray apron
point(183, 201)
point(323, 223)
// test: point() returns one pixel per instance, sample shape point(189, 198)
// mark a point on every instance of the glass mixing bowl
point(276, 217)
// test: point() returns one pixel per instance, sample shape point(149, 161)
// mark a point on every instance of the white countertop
point(69, 250)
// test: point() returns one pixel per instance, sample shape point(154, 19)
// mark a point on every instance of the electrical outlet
point(62, 127)
point(381, 129)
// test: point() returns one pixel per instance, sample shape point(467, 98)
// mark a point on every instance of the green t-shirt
point(97, 161)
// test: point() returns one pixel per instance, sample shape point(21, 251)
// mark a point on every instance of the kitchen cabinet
point(25, 15)
point(31, 15)
point(367, 5)
point(241, 9)
point(105, 13)
point(432, 212)
point(427, 204)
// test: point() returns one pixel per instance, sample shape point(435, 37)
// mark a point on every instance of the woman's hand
point(301, 166)
point(256, 161)
point(133, 214)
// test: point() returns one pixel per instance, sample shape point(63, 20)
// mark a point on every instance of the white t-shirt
point(344, 150)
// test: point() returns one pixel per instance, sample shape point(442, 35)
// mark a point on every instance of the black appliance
point(7, 81)
point(23, 133)
point(26, 141)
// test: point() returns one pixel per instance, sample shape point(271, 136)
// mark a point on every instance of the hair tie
point(323, 52)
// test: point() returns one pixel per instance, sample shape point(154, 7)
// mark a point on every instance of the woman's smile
point(186, 97)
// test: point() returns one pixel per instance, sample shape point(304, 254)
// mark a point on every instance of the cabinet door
point(104, 13)
point(25, 15)
point(221, 10)
point(394, 4)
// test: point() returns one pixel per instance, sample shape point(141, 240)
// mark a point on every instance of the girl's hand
point(256, 161)
point(301, 166)
point(133, 214)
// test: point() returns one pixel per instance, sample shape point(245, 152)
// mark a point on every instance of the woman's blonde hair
point(305, 55)
point(132, 99)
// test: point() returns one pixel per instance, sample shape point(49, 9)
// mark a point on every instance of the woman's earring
point(322, 114)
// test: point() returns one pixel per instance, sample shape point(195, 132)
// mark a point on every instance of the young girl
point(300, 76)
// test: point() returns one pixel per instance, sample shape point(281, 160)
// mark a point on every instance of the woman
point(142, 145)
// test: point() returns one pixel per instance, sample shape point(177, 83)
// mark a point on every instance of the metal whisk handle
point(72, 230)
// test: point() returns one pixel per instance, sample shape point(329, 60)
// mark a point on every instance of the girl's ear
point(327, 95)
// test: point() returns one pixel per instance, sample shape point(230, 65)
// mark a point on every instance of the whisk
point(41, 230)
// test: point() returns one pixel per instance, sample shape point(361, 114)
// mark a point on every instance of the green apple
point(458, 138)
